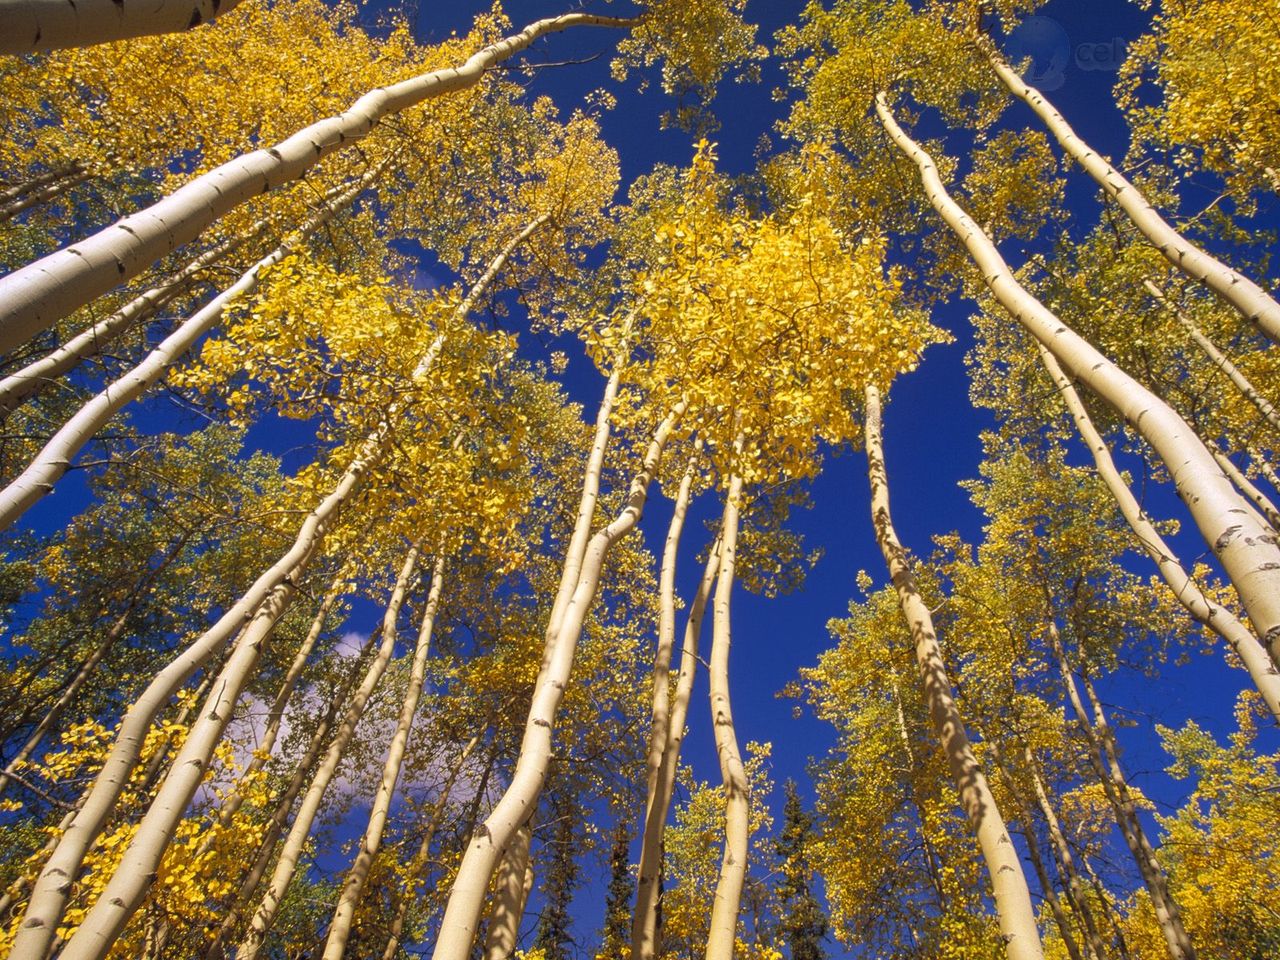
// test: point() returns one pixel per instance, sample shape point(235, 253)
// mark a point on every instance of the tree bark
point(466, 899)
point(1246, 548)
point(1267, 512)
point(515, 880)
point(1242, 293)
point(33, 26)
point(43, 193)
point(1008, 883)
point(38, 295)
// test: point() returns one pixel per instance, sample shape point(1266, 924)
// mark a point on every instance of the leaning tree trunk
point(737, 790)
point(55, 458)
point(353, 887)
point(1265, 510)
point(40, 294)
point(515, 881)
point(1008, 883)
point(470, 886)
point(33, 26)
point(1236, 289)
point(1246, 547)
point(54, 885)
point(1205, 611)
point(45, 192)
point(291, 852)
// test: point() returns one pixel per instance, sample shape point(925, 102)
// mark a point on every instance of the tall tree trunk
point(30, 381)
point(39, 295)
point(1219, 359)
point(515, 880)
point(645, 923)
point(26, 187)
point(1217, 618)
point(43, 193)
point(1008, 883)
point(1242, 293)
point(37, 25)
point(353, 887)
point(737, 790)
point(54, 885)
point(55, 458)
point(291, 852)
point(466, 899)
point(647, 889)
point(1110, 775)
point(1267, 512)
point(1247, 549)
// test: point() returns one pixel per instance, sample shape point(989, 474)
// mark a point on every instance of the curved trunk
point(1246, 548)
point(353, 887)
point(53, 887)
point(1008, 883)
point(515, 880)
point(466, 899)
point(1236, 289)
point(291, 852)
point(40, 294)
point(55, 458)
point(33, 26)
point(737, 790)
point(1205, 611)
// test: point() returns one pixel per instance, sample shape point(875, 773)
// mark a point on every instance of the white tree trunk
point(515, 880)
point(1008, 883)
point(470, 886)
point(1245, 547)
point(1254, 304)
point(37, 296)
point(33, 26)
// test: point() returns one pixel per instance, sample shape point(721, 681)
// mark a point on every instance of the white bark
point(1008, 883)
point(54, 885)
point(353, 887)
point(1212, 615)
point(1245, 547)
point(33, 26)
point(291, 852)
point(1265, 511)
point(723, 927)
point(515, 880)
point(54, 459)
point(37, 296)
point(470, 886)
point(1254, 304)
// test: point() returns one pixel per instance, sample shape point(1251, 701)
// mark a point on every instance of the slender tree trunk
point(37, 296)
point(33, 26)
point(645, 920)
point(55, 458)
point(1008, 883)
point(1205, 611)
point(19, 190)
point(466, 899)
point(1267, 513)
point(1246, 549)
point(646, 888)
point(1168, 916)
point(1219, 359)
point(353, 887)
point(930, 855)
point(291, 853)
point(1242, 293)
point(737, 789)
point(29, 382)
point(44, 193)
point(54, 885)
point(515, 880)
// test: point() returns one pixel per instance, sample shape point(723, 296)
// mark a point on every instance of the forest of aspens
point(639, 479)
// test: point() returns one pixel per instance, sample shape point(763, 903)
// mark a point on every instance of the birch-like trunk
point(1254, 304)
point(1111, 776)
point(43, 193)
point(1008, 883)
point(515, 880)
point(1219, 359)
point(1266, 510)
point(54, 885)
point(353, 887)
point(291, 851)
point(33, 26)
point(40, 294)
point(55, 458)
point(29, 382)
point(1217, 618)
point(1246, 548)
point(723, 928)
point(644, 921)
point(15, 193)
point(470, 886)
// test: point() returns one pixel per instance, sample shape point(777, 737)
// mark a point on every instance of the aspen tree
point(36, 25)
point(515, 881)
